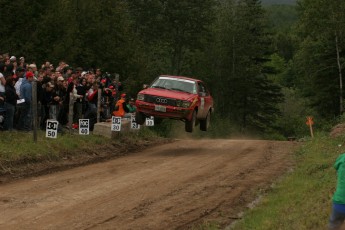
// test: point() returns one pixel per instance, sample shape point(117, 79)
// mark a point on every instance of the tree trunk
point(341, 101)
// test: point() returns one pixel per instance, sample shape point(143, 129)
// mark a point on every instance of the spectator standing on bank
point(19, 107)
point(26, 94)
point(2, 87)
point(58, 97)
point(20, 75)
point(131, 108)
point(92, 97)
point(2, 64)
point(22, 62)
point(118, 87)
point(79, 104)
point(338, 211)
point(46, 100)
point(10, 103)
point(33, 68)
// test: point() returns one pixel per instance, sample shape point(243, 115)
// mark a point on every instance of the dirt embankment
point(171, 186)
point(14, 170)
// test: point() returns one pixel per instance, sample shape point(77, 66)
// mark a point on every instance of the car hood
point(168, 93)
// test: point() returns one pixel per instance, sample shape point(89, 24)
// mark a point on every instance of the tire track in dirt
point(173, 186)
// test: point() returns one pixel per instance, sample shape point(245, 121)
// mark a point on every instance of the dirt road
point(173, 186)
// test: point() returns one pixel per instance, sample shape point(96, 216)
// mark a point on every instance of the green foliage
point(278, 2)
point(294, 111)
point(319, 60)
point(238, 52)
point(282, 17)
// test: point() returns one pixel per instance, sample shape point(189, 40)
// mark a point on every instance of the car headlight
point(183, 104)
point(140, 97)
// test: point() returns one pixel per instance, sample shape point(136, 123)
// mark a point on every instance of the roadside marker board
point(52, 128)
point(310, 123)
point(116, 124)
point(134, 124)
point(150, 121)
point(84, 126)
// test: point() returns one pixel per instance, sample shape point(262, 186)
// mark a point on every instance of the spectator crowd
point(55, 86)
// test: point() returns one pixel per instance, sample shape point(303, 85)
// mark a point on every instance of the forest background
point(268, 64)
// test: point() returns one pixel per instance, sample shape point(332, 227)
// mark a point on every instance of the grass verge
point(20, 156)
point(302, 199)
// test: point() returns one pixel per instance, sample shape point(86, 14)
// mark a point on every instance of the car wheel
point(189, 125)
point(140, 118)
point(204, 124)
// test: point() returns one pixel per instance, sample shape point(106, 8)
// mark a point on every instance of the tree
point(239, 54)
point(320, 57)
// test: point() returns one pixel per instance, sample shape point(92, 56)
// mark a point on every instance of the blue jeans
point(10, 109)
point(336, 221)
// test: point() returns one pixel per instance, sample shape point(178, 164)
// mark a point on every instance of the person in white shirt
point(20, 74)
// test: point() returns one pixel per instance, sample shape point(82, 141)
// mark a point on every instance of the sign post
point(150, 121)
point(310, 123)
point(52, 128)
point(84, 126)
point(134, 124)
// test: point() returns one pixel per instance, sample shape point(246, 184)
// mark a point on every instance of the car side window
point(202, 89)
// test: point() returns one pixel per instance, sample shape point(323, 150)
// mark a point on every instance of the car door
point(205, 100)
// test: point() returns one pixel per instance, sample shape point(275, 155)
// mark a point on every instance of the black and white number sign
point(84, 127)
point(116, 124)
point(51, 129)
point(150, 121)
point(134, 124)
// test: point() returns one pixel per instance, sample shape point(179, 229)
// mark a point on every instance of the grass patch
point(302, 200)
point(16, 146)
point(20, 147)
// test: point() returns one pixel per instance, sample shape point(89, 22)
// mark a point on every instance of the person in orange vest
point(121, 107)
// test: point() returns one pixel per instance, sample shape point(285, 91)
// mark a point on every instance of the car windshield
point(176, 84)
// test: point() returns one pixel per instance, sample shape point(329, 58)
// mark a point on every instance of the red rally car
point(176, 97)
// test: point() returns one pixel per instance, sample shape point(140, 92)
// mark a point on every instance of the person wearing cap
point(26, 94)
point(121, 107)
point(13, 59)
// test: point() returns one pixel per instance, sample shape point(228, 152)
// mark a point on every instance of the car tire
point(140, 118)
point(189, 125)
point(204, 124)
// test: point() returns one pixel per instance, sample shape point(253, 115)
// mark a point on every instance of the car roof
point(180, 77)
